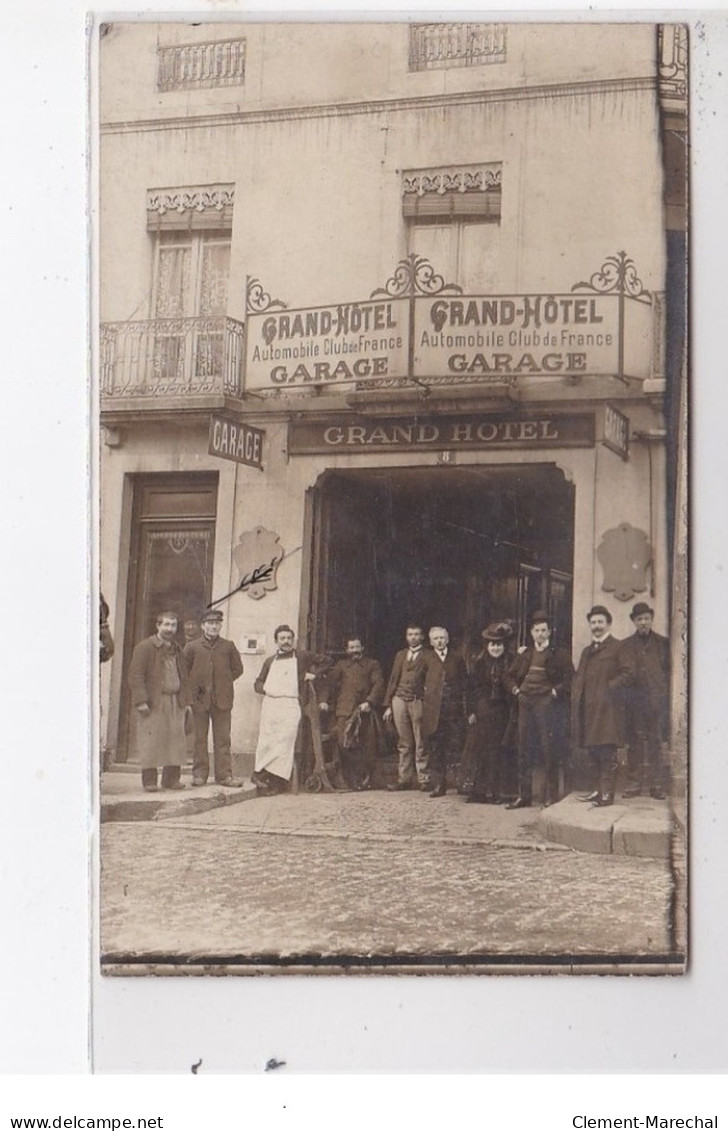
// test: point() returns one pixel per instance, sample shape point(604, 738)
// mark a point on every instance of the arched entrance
point(458, 546)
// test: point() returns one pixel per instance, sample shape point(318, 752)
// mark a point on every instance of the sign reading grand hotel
point(471, 432)
point(420, 328)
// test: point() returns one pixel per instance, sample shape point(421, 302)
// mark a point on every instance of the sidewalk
point(123, 799)
point(638, 827)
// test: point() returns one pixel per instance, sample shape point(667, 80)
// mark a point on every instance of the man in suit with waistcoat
point(443, 708)
point(403, 704)
point(540, 679)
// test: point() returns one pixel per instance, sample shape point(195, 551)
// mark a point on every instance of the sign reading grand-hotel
point(328, 345)
point(420, 328)
point(516, 334)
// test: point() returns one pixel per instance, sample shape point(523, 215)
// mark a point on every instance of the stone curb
point(619, 829)
point(161, 807)
point(386, 838)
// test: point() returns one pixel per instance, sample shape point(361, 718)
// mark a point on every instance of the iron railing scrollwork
point(171, 357)
point(455, 45)
point(415, 275)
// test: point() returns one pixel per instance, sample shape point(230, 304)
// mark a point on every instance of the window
point(196, 66)
point(455, 45)
point(453, 216)
point(189, 304)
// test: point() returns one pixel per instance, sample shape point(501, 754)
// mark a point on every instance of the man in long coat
point(156, 676)
point(540, 679)
point(597, 719)
point(644, 676)
point(283, 682)
point(212, 664)
point(443, 708)
point(354, 689)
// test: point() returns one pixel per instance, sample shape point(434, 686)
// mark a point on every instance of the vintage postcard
point(391, 373)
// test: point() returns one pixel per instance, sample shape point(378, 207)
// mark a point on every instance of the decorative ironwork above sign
point(257, 299)
point(421, 329)
point(415, 275)
point(617, 275)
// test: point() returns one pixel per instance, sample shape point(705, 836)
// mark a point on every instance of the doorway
point(171, 562)
point(459, 546)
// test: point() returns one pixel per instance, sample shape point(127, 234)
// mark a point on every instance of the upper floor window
point(194, 66)
point(455, 45)
point(453, 220)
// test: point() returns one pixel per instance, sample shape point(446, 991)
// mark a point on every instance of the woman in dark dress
point(490, 704)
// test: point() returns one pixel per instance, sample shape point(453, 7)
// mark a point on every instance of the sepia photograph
point(390, 395)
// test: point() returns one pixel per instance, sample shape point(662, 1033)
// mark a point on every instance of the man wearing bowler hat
point(597, 722)
point(540, 679)
point(644, 676)
point(212, 665)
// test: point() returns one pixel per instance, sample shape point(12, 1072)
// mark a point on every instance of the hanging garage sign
point(230, 439)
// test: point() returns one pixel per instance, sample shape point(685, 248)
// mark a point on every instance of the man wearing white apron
point(282, 683)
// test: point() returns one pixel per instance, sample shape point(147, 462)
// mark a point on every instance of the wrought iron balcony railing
point(171, 357)
point(455, 45)
point(195, 66)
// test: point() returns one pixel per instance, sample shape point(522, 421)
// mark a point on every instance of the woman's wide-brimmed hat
point(498, 633)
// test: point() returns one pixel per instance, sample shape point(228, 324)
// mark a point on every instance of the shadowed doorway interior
point(455, 546)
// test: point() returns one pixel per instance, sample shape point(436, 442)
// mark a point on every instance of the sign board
point(516, 335)
point(231, 439)
point(327, 345)
point(616, 431)
point(443, 433)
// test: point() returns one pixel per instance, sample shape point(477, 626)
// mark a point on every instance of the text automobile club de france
point(525, 334)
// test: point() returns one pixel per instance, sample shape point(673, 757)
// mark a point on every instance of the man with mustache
point(597, 717)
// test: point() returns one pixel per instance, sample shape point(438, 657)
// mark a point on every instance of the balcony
point(455, 45)
point(180, 358)
point(197, 66)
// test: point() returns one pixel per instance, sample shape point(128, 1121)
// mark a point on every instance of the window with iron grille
point(193, 66)
point(455, 45)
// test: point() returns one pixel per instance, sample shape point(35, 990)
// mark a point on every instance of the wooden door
point(173, 541)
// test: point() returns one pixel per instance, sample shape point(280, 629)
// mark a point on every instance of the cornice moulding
point(379, 106)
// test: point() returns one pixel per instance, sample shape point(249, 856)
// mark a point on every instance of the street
point(370, 874)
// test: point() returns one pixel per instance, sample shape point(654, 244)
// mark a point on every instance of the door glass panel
point(176, 571)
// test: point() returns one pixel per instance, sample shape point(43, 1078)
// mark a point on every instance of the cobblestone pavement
point(370, 875)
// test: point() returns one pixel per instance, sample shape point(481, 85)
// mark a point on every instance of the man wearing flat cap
point(644, 677)
point(212, 664)
point(597, 718)
point(540, 680)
